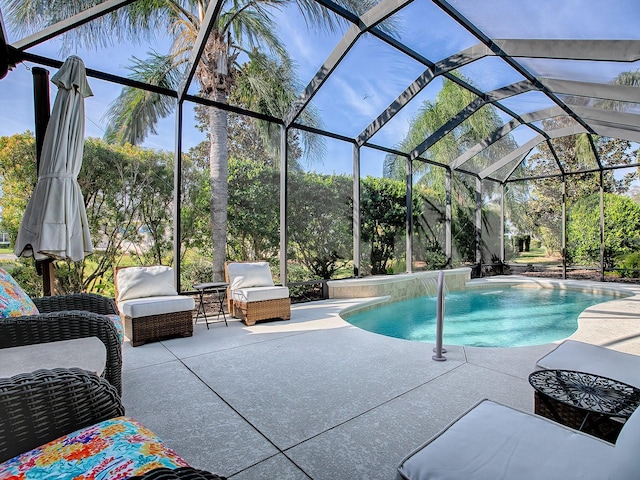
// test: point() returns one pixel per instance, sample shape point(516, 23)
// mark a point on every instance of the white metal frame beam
point(440, 68)
point(366, 22)
point(70, 23)
point(474, 106)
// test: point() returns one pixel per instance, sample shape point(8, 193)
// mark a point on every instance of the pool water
point(505, 317)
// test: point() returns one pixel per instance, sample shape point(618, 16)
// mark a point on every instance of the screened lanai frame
point(521, 55)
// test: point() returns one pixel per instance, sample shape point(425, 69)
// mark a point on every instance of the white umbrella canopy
point(55, 224)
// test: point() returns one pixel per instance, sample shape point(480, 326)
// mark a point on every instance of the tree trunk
point(218, 179)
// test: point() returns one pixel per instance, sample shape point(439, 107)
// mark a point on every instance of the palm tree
point(243, 27)
point(432, 115)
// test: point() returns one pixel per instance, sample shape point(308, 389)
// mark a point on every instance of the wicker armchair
point(63, 420)
point(41, 406)
point(252, 295)
point(67, 317)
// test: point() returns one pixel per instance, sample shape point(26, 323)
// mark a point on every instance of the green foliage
point(17, 177)
point(629, 265)
point(195, 270)
point(320, 222)
point(128, 195)
point(383, 219)
point(127, 192)
point(622, 229)
point(253, 212)
point(25, 275)
point(195, 202)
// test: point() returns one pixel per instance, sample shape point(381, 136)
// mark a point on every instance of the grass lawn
point(535, 255)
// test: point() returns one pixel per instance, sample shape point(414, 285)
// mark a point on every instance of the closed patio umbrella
point(55, 224)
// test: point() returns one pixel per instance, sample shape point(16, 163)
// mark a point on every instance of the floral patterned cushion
point(14, 302)
point(117, 321)
point(115, 449)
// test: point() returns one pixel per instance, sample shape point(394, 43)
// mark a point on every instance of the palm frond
point(252, 27)
point(627, 79)
point(319, 17)
point(135, 22)
point(269, 85)
point(135, 113)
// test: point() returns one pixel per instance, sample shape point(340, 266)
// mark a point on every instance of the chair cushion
point(259, 294)
point(493, 441)
point(115, 448)
point(584, 357)
point(14, 302)
point(251, 274)
point(140, 282)
point(144, 307)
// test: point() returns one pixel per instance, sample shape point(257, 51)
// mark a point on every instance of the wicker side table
point(590, 403)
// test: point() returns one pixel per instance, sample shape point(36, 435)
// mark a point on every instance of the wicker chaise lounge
point(252, 295)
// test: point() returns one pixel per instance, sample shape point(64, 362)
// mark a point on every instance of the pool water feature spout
point(430, 286)
point(438, 357)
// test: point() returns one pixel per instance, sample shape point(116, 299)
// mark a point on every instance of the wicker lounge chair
point(252, 295)
point(150, 306)
point(67, 317)
point(62, 422)
point(494, 441)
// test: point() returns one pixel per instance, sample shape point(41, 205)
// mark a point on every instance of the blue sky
point(371, 75)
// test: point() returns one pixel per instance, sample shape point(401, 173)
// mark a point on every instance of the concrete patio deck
point(315, 397)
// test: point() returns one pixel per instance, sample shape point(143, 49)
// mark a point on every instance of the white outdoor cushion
point(584, 357)
point(259, 294)
point(246, 275)
point(493, 441)
point(626, 465)
point(140, 282)
point(143, 307)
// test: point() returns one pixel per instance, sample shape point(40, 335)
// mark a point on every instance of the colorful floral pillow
point(114, 449)
point(14, 302)
point(117, 321)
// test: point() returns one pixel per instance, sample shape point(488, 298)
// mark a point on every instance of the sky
point(371, 75)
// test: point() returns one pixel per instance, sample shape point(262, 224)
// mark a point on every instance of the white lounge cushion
point(144, 307)
point(251, 274)
point(493, 441)
point(140, 282)
point(584, 357)
point(626, 465)
point(259, 294)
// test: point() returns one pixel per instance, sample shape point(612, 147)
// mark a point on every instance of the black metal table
point(218, 293)
point(568, 393)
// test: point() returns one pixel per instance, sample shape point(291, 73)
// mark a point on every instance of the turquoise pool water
point(504, 317)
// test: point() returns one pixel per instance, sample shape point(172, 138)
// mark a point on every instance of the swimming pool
point(497, 317)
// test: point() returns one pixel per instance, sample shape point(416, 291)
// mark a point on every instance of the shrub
point(630, 264)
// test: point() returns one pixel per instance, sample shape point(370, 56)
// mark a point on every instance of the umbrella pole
point(42, 106)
